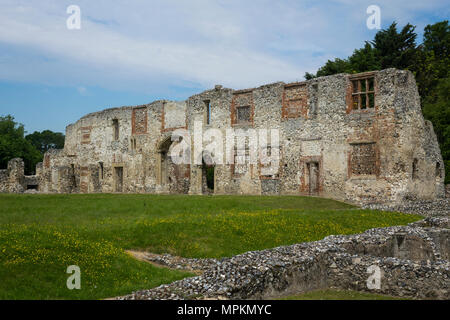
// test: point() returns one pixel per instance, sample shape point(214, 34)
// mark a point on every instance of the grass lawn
point(334, 294)
point(41, 235)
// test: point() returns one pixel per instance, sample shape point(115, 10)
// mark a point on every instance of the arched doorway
point(173, 178)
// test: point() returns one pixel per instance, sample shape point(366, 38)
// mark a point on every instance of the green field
point(41, 235)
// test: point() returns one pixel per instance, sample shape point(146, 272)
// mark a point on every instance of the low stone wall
point(427, 208)
point(412, 260)
point(13, 179)
point(4, 181)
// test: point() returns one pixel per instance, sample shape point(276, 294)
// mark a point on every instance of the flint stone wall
point(387, 153)
point(13, 179)
point(413, 262)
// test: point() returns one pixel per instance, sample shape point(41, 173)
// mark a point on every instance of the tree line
point(31, 148)
point(429, 61)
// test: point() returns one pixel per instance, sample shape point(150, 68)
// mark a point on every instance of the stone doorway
point(314, 174)
point(173, 178)
point(118, 177)
point(208, 179)
point(208, 173)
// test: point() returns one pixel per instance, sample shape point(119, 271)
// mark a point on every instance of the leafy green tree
point(429, 62)
point(46, 140)
point(436, 38)
point(14, 145)
point(334, 67)
point(438, 112)
point(395, 49)
point(431, 71)
point(364, 59)
point(432, 59)
point(309, 76)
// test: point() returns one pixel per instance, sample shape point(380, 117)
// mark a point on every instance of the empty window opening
point(363, 159)
point(101, 173)
point(415, 169)
point(363, 93)
point(208, 111)
point(32, 187)
point(241, 158)
point(116, 129)
point(314, 101)
point(208, 172)
point(438, 170)
point(243, 114)
point(118, 179)
point(210, 178)
point(133, 144)
point(72, 175)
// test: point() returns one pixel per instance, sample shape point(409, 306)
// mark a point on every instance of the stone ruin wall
point(385, 153)
point(412, 261)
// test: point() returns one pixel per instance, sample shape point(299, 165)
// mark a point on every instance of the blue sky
point(134, 52)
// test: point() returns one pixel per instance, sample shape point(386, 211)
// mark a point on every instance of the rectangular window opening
point(363, 93)
point(363, 159)
point(116, 129)
point(101, 173)
point(208, 111)
point(363, 102)
point(243, 114)
point(415, 169)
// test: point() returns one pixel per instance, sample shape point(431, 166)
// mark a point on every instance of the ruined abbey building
point(359, 138)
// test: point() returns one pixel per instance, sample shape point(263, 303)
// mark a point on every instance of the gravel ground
point(437, 208)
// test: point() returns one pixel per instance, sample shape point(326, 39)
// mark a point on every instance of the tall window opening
point(415, 169)
point(116, 129)
point(101, 174)
point(207, 111)
point(438, 170)
point(363, 93)
point(72, 175)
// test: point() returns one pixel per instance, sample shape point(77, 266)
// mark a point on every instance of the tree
point(46, 140)
point(364, 59)
point(438, 112)
point(309, 76)
point(432, 59)
point(334, 67)
point(394, 49)
point(436, 38)
point(14, 145)
point(429, 62)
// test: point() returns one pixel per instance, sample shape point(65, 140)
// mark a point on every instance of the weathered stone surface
point(413, 262)
point(336, 141)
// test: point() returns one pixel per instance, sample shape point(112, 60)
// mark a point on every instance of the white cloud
point(139, 44)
